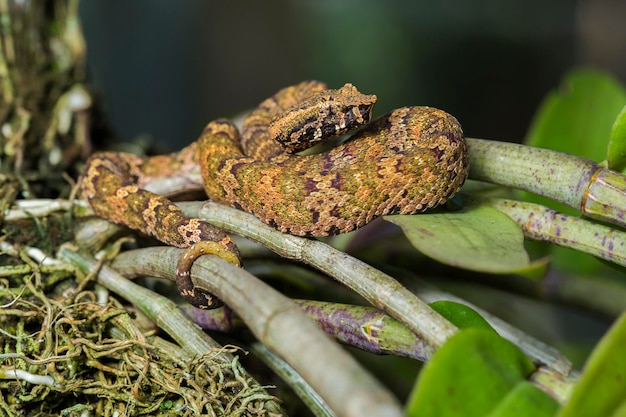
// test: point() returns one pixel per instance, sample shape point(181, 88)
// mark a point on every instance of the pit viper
point(406, 161)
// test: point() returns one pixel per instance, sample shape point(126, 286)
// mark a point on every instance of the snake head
point(321, 116)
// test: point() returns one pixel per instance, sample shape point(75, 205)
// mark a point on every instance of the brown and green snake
point(406, 161)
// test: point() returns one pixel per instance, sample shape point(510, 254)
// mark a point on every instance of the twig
point(359, 276)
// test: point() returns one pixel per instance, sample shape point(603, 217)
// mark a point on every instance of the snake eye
point(366, 112)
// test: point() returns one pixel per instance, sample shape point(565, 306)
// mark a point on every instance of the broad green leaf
point(460, 315)
point(601, 389)
point(616, 154)
point(620, 411)
point(536, 269)
point(526, 400)
point(468, 376)
point(477, 238)
point(577, 119)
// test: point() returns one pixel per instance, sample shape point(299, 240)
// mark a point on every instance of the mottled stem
point(366, 328)
point(541, 223)
point(577, 182)
point(374, 331)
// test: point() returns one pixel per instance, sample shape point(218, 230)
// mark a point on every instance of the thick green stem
point(558, 176)
point(544, 224)
point(577, 182)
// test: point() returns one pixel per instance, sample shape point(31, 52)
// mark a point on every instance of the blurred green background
point(166, 68)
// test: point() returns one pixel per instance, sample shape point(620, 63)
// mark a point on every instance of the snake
point(406, 161)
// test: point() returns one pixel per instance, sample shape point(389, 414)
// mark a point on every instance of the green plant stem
point(577, 182)
point(541, 223)
point(280, 325)
point(374, 331)
point(361, 277)
point(558, 176)
point(378, 288)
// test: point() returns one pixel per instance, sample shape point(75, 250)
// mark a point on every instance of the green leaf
point(601, 389)
point(616, 154)
point(620, 411)
point(536, 269)
point(478, 238)
point(526, 400)
point(468, 376)
point(460, 315)
point(577, 119)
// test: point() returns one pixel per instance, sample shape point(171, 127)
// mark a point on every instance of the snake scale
point(406, 161)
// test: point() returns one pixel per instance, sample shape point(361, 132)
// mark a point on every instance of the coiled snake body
point(406, 161)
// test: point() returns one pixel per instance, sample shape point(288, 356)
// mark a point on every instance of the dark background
point(166, 68)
